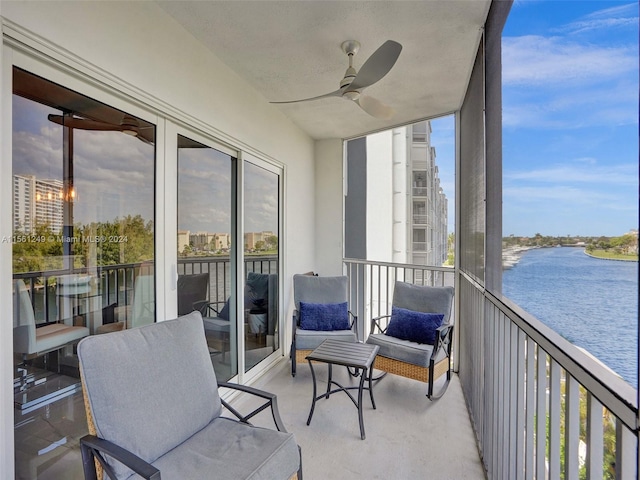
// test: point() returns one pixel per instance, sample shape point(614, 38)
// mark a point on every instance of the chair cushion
point(224, 311)
point(191, 289)
point(403, 350)
point(57, 335)
point(414, 326)
point(319, 289)
point(310, 339)
point(230, 450)
point(421, 298)
point(150, 388)
point(324, 316)
point(216, 324)
point(258, 284)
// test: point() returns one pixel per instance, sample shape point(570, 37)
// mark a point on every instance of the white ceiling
point(288, 50)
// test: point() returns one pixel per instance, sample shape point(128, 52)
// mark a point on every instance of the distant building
point(183, 240)
point(394, 200)
point(201, 241)
point(252, 238)
point(221, 241)
point(37, 202)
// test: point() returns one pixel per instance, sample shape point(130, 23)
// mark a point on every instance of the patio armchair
point(192, 290)
point(153, 408)
point(415, 340)
point(321, 312)
point(31, 341)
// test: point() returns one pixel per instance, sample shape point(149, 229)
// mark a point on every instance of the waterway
point(591, 302)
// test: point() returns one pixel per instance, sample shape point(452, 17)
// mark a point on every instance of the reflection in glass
point(83, 246)
point(262, 199)
point(205, 280)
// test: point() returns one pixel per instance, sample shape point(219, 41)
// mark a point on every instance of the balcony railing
point(117, 281)
point(541, 408)
point(371, 285)
point(420, 219)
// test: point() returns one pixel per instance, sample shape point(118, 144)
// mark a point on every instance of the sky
point(570, 120)
point(114, 175)
point(570, 136)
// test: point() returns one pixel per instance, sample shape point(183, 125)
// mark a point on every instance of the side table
point(355, 355)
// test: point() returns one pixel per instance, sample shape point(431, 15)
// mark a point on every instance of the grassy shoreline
point(606, 255)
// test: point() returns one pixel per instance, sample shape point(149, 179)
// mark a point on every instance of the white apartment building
point(37, 202)
point(252, 238)
point(395, 198)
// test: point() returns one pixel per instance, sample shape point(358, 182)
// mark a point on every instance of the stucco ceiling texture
point(289, 50)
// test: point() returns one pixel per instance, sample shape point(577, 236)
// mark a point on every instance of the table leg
point(313, 403)
point(362, 377)
point(329, 379)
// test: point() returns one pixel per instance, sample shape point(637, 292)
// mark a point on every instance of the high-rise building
point(396, 209)
point(37, 202)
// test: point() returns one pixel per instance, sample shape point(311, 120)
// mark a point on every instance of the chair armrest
point(271, 401)
point(204, 307)
point(93, 447)
point(377, 325)
point(444, 335)
point(353, 323)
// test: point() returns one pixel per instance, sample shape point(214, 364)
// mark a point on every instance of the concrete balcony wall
point(136, 52)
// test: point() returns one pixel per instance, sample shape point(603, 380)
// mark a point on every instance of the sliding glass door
point(83, 251)
point(261, 256)
point(206, 247)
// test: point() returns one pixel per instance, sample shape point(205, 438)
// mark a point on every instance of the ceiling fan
point(128, 125)
point(354, 82)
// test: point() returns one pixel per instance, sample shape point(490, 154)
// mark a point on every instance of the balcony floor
point(407, 436)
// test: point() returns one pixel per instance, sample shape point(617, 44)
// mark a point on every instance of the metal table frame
point(359, 356)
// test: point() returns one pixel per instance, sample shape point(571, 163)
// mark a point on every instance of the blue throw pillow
point(224, 312)
point(414, 326)
point(324, 316)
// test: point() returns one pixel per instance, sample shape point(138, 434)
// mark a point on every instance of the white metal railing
point(541, 407)
point(371, 285)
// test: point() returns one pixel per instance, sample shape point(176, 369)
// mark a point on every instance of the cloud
point(584, 172)
point(534, 60)
point(621, 16)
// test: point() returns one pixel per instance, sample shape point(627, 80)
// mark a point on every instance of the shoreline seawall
point(612, 259)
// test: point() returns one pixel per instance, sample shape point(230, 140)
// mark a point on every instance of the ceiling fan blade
point(337, 93)
point(375, 107)
point(83, 123)
point(377, 65)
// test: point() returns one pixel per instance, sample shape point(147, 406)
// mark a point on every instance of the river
point(591, 302)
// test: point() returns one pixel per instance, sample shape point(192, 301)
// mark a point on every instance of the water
point(591, 302)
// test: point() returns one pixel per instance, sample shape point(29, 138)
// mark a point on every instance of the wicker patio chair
point(425, 362)
point(321, 292)
point(153, 408)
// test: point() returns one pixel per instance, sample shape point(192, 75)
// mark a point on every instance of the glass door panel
point(206, 276)
point(83, 242)
point(261, 256)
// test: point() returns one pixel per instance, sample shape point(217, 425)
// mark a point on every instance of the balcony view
point(437, 278)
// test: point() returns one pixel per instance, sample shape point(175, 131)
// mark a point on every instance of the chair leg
point(293, 359)
point(379, 377)
point(430, 394)
point(300, 469)
point(88, 463)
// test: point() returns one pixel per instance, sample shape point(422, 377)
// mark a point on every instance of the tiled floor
point(407, 436)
